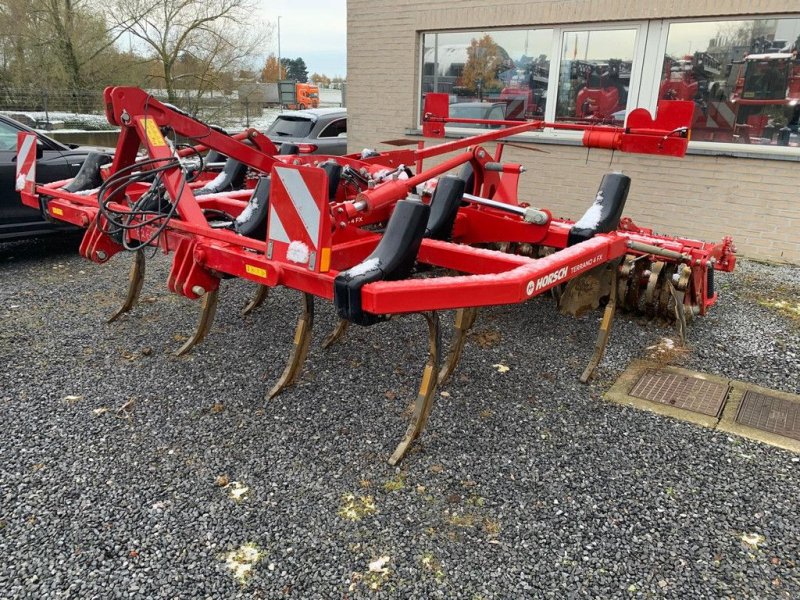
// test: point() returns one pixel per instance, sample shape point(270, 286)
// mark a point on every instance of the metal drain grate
point(769, 413)
point(681, 391)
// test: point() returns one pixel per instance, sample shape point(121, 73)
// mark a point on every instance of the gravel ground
point(526, 484)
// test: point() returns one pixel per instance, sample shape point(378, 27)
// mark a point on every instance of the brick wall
point(756, 201)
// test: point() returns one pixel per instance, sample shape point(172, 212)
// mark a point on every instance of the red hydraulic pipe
point(391, 191)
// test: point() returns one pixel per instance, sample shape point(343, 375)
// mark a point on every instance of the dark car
point(477, 110)
point(314, 131)
point(55, 161)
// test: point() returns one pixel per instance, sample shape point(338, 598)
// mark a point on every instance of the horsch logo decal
point(555, 276)
point(552, 278)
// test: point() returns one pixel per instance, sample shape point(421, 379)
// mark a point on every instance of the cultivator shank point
point(378, 234)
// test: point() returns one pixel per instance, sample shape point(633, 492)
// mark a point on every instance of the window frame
point(650, 47)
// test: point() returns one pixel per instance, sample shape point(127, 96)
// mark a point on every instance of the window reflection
point(489, 74)
point(595, 75)
point(743, 76)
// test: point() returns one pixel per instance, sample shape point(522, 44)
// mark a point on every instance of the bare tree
point(195, 41)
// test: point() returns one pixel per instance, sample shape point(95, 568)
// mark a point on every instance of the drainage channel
point(769, 416)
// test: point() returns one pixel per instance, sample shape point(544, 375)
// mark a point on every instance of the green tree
point(295, 69)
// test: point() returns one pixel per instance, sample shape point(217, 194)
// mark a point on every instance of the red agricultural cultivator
point(377, 234)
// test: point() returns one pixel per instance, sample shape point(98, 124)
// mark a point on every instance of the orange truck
point(306, 96)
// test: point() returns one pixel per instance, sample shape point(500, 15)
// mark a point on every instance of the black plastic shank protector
point(88, 177)
point(214, 157)
point(392, 259)
point(231, 178)
point(252, 222)
point(334, 172)
point(604, 214)
point(444, 207)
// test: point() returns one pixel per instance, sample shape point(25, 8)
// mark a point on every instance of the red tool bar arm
point(173, 178)
point(594, 136)
point(667, 134)
point(124, 104)
point(531, 278)
point(497, 134)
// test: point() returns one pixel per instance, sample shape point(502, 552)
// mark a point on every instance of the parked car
point(55, 161)
point(477, 110)
point(314, 131)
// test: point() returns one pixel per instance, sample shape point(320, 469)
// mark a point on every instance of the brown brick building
point(566, 59)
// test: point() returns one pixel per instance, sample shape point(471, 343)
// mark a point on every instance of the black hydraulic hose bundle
point(148, 209)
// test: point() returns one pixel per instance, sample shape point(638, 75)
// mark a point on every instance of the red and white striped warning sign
point(26, 162)
point(299, 225)
point(720, 116)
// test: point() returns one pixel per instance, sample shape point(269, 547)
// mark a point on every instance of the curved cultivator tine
point(257, 300)
point(302, 341)
point(427, 387)
point(337, 333)
point(680, 311)
point(208, 310)
point(135, 281)
point(605, 328)
point(465, 319)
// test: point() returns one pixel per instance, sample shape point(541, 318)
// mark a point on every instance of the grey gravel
point(526, 483)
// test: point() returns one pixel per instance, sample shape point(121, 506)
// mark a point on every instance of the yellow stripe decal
point(257, 271)
point(153, 132)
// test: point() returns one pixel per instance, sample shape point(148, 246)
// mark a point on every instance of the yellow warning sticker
point(57, 211)
point(153, 132)
point(257, 271)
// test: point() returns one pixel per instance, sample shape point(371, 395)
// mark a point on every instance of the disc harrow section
point(377, 234)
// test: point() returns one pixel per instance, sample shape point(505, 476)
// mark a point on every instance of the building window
point(595, 75)
point(743, 76)
point(489, 74)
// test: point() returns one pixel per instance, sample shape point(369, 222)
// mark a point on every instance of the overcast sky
point(315, 30)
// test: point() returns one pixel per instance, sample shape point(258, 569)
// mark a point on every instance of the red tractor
point(604, 93)
point(759, 102)
point(765, 80)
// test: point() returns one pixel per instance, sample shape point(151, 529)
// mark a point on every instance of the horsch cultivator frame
point(372, 235)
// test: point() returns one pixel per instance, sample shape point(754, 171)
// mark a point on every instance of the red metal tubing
point(476, 140)
point(531, 278)
point(392, 191)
